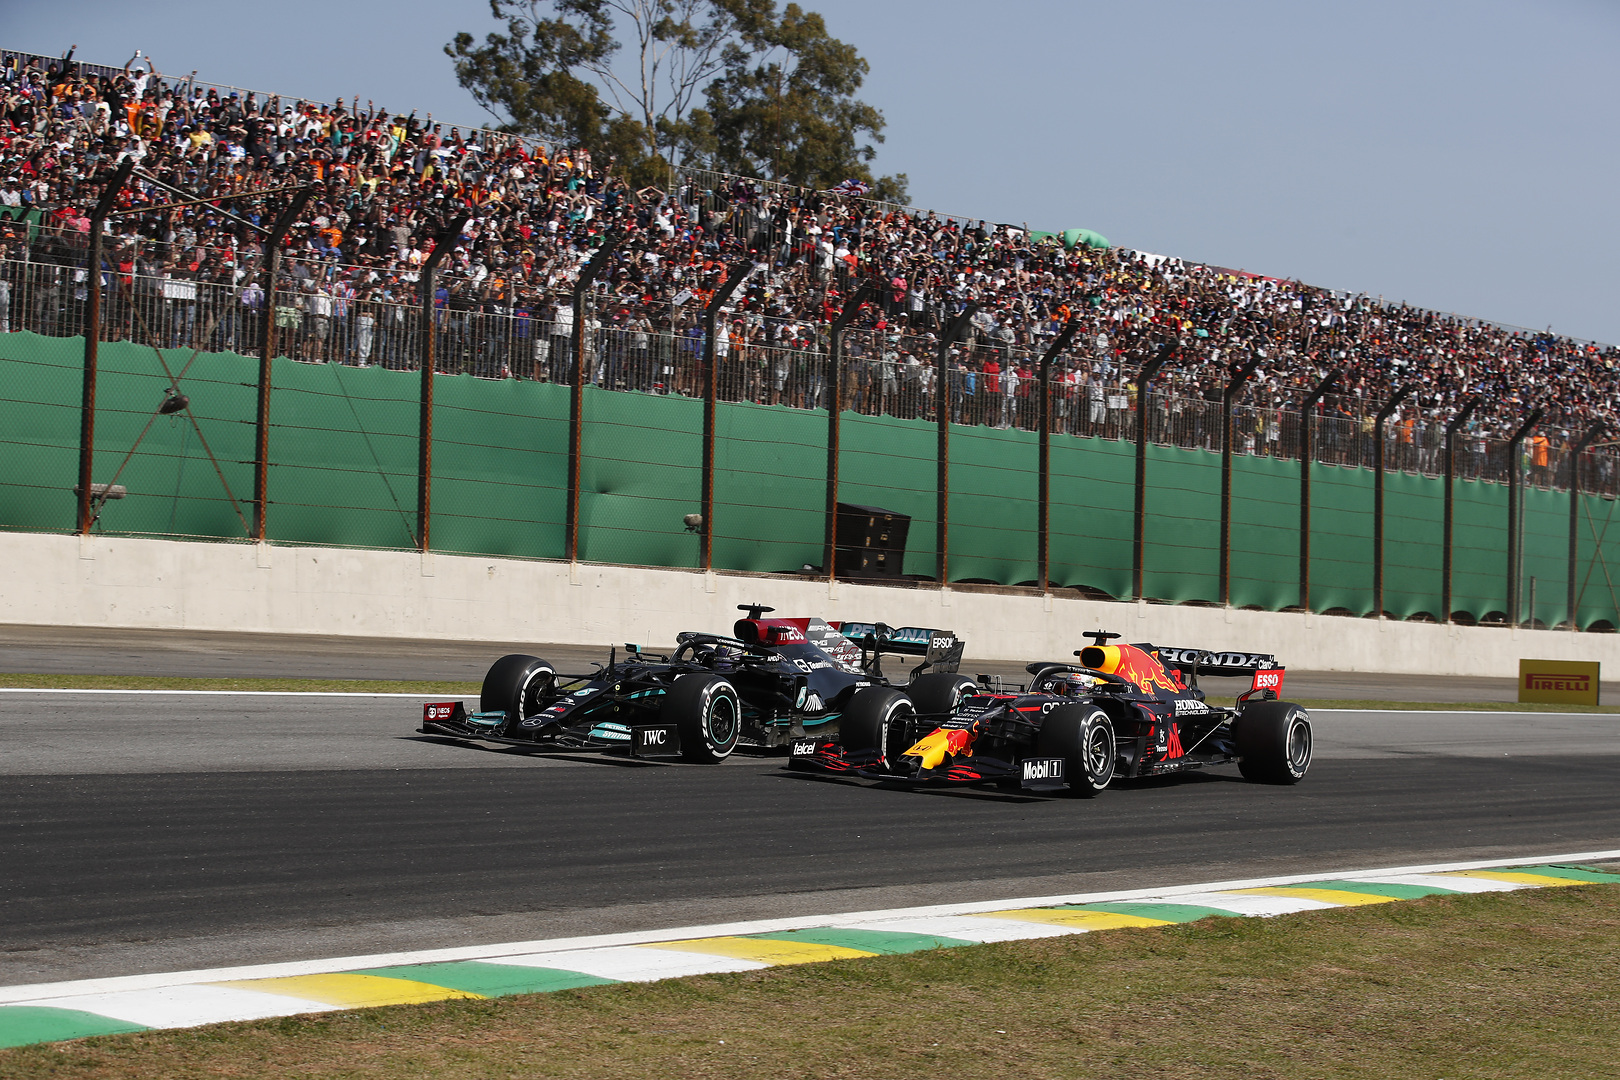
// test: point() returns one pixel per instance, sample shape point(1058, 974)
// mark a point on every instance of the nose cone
point(939, 744)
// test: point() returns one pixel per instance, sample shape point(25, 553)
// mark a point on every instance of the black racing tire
point(871, 720)
point(515, 685)
point(1273, 742)
point(707, 711)
point(939, 692)
point(1083, 736)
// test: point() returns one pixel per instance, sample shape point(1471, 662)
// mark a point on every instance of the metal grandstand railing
point(885, 373)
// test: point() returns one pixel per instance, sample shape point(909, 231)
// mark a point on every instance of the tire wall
point(343, 464)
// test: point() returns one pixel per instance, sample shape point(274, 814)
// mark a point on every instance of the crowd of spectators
point(385, 185)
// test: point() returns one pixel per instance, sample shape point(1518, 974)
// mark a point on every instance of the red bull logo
point(940, 743)
point(1131, 663)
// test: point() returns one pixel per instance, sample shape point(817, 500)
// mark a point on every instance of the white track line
point(497, 952)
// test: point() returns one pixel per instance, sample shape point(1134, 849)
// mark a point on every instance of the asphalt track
point(214, 654)
point(147, 832)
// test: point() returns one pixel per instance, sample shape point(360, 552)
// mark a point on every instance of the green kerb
point(873, 941)
point(21, 1025)
point(490, 980)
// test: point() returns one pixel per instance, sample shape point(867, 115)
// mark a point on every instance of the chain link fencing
point(344, 438)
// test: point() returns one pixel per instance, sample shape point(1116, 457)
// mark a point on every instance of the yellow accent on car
point(932, 748)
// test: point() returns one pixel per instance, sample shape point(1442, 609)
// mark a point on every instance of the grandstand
point(385, 189)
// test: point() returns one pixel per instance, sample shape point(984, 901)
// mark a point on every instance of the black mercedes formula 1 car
point(771, 682)
point(1122, 711)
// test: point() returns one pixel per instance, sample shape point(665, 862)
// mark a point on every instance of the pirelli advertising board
point(1559, 682)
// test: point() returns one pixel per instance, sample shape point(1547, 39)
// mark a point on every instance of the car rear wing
point(941, 650)
point(1237, 665)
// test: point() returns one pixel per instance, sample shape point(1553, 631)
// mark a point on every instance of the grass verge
point(1488, 986)
point(166, 682)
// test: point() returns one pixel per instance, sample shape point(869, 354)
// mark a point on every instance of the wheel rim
point(1299, 745)
point(529, 696)
point(1099, 752)
point(899, 712)
point(722, 720)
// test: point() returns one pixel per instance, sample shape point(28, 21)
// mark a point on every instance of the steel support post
point(578, 378)
point(92, 339)
point(1515, 482)
point(1234, 387)
point(835, 407)
point(1043, 473)
point(1307, 451)
point(1378, 495)
point(267, 339)
point(442, 244)
point(942, 415)
point(735, 276)
point(1448, 514)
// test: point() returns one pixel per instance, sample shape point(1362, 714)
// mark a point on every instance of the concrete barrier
point(109, 581)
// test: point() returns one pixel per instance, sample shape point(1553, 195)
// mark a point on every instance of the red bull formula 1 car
point(772, 681)
point(1122, 711)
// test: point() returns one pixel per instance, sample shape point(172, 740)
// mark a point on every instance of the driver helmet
point(1075, 684)
point(723, 657)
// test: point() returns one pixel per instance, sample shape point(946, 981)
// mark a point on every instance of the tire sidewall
point(511, 682)
point(1266, 736)
point(699, 704)
point(937, 688)
point(1072, 732)
point(1298, 764)
point(874, 709)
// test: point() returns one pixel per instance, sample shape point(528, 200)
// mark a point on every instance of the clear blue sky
point(1460, 154)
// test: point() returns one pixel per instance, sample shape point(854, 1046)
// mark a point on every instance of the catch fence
point(176, 426)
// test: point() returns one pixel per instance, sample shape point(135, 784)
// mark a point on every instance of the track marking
point(52, 1012)
point(1540, 880)
point(764, 950)
point(350, 991)
point(1080, 919)
point(1337, 897)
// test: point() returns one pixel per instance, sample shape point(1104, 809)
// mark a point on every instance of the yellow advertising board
point(1559, 682)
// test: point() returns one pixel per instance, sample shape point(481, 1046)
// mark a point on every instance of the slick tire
point(1083, 736)
point(707, 711)
point(874, 720)
point(939, 692)
point(516, 685)
point(1273, 742)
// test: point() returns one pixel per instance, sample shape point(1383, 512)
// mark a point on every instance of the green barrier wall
point(343, 471)
point(1341, 539)
point(993, 511)
point(1265, 532)
point(641, 472)
point(1092, 507)
point(1181, 536)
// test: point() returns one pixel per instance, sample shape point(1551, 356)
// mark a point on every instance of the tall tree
point(778, 91)
point(784, 106)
